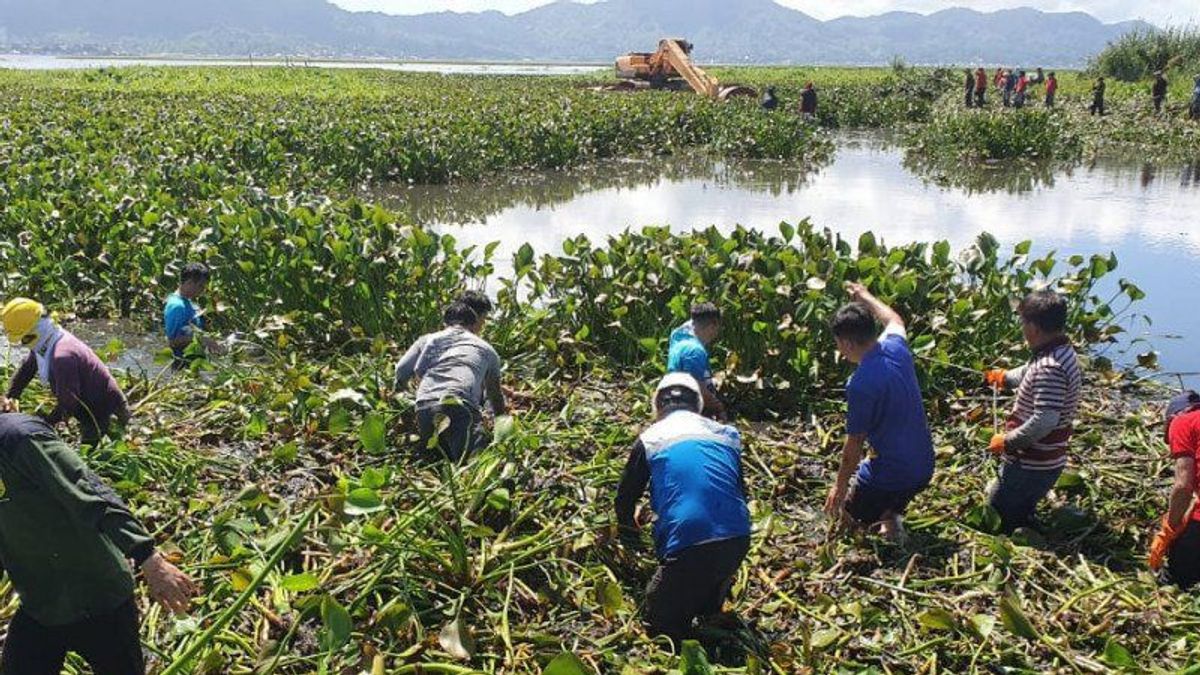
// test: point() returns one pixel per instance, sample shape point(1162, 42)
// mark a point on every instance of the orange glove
point(997, 446)
point(1162, 543)
point(995, 378)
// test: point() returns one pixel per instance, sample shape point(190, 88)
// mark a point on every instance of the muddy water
point(124, 345)
point(1149, 216)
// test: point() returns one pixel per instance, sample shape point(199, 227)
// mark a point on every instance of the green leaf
point(937, 619)
point(339, 421)
point(504, 427)
point(693, 660)
point(373, 478)
point(1014, 618)
point(983, 625)
point(610, 597)
point(565, 663)
point(362, 501)
point(373, 434)
point(299, 583)
point(1117, 656)
point(337, 624)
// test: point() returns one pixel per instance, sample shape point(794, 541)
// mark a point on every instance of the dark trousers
point(1050, 99)
point(1017, 492)
point(693, 584)
point(456, 428)
point(1097, 107)
point(970, 98)
point(1183, 560)
point(1158, 103)
point(980, 98)
point(108, 643)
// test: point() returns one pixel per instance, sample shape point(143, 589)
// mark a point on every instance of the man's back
point(452, 363)
point(687, 354)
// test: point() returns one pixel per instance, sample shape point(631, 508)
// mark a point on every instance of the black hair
point(705, 314)
point(478, 301)
point(459, 313)
point(1045, 309)
point(675, 398)
point(194, 271)
point(854, 322)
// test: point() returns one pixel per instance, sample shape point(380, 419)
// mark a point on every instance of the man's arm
point(495, 394)
point(1180, 503)
point(633, 484)
point(23, 377)
point(882, 313)
point(852, 454)
point(406, 367)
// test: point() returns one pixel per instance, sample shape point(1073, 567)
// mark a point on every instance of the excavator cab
point(671, 67)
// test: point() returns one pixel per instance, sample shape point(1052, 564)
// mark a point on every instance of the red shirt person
point(1178, 541)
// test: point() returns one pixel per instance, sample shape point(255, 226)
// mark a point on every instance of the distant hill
point(726, 31)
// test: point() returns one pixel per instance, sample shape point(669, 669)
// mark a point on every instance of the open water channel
point(1149, 216)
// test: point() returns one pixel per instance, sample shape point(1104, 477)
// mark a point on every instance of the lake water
point(1147, 215)
point(45, 62)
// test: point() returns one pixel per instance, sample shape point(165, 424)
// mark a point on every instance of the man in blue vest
point(693, 467)
point(688, 353)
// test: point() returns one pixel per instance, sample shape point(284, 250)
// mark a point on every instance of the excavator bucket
point(736, 91)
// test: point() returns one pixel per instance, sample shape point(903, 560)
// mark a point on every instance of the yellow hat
point(20, 316)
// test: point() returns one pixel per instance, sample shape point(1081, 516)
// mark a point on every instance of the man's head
point(854, 331)
point(1052, 74)
point(1178, 406)
point(677, 391)
point(706, 322)
point(460, 314)
point(20, 317)
point(479, 303)
point(1043, 317)
point(193, 280)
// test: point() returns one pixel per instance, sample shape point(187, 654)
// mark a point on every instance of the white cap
point(680, 380)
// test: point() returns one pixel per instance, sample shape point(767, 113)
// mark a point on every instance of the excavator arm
point(673, 60)
point(675, 53)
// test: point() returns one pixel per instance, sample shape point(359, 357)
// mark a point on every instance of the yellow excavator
point(671, 68)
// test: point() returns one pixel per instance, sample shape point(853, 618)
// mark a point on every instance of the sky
point(1161, 12)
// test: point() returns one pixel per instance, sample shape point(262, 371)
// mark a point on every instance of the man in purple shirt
point(81, 383)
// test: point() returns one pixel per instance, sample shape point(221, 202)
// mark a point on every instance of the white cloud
point(1161, 12)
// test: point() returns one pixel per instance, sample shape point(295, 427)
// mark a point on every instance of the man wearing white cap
point(693, 467)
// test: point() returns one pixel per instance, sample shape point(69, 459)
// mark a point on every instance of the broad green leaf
point(299, 583)
point(565, 663)
point(693, 660)
point(373, 434)
point(338, 624)
point(1014, 618)
point(937, 619)
point(1117, 656)
point(362, 501)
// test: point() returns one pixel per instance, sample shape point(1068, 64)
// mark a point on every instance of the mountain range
point(725, 31)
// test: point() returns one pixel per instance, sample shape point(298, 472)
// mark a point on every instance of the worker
point(1098, 97)
point(980, 88)
point(1021, 90)
point(697, 491)
point(969, 88)
point(82, 385)
point(1178, 539)
point(769, 100)
point(1010, 84)
point(1195, 107)
point(66, 542)
point(688, 353)
point(1039, 77)
point(1051, 89)
point(1033, 446)
point(998, 79)
point(183, 322)
point(459, 372)
point(1158, 91)
point(884, 408)
point(808, 101)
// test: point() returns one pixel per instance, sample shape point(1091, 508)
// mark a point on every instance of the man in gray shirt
point(458, 369)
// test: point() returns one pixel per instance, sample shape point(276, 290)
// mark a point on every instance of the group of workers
point(67, 540)
point(1014, 88)
point(808, 101)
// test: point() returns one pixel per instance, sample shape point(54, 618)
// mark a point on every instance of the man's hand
point(1162, 543)
point(857, 291)
point(9, 405)
point(835, 501)
point(169, 586)
point(995, 378)
point(998, 445)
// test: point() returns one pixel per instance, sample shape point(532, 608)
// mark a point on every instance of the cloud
point(1162, 12)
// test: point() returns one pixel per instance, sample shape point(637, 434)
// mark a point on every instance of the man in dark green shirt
point(66, 540)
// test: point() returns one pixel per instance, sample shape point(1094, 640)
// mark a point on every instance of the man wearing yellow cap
point(81, 383)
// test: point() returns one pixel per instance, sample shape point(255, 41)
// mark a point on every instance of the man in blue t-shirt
point(688, 353)
point(885, 408)
point(693, 468)
point(182, 321)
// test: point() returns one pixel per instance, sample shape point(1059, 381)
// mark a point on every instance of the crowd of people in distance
point(67, 540)
point(1015, 88)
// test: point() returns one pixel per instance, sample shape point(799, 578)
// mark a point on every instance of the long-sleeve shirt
point(1043, 417)
point(79, 380)
point(65, 537)
point(693, 467)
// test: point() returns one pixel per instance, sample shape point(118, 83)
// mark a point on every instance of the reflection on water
point(1147, 216)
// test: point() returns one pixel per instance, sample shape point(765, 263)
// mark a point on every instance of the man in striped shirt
point(1033, 447)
